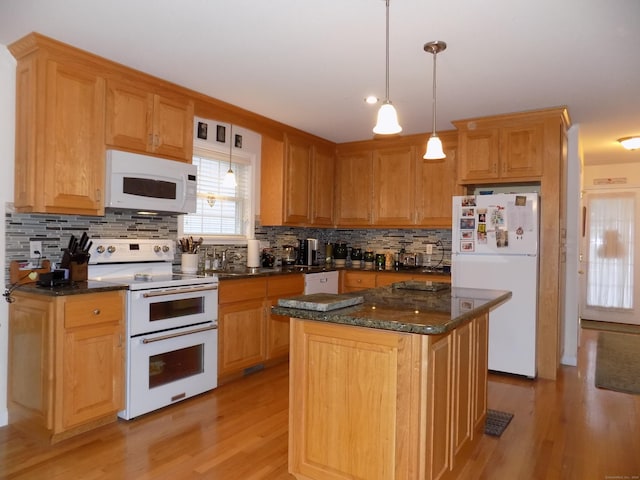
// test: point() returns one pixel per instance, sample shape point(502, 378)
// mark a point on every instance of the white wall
point(571, 321)
point(7, 141)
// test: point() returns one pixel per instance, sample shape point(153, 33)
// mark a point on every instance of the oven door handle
point(177, 291)
point(181, 334)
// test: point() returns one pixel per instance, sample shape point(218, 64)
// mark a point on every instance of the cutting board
point(320, 302)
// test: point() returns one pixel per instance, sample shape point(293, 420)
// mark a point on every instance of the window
point(224, 214)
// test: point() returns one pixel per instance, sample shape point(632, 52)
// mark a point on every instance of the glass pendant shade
point(229, 180)
point(434, 148)
point(387, 123)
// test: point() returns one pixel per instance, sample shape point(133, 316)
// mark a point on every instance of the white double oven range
point(171, 322)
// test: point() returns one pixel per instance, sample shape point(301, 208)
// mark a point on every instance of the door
point(610, 234)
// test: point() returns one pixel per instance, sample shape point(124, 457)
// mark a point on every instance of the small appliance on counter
point(290, 255)
point(308, 252)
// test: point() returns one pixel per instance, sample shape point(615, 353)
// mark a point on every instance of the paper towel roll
point(253, 253)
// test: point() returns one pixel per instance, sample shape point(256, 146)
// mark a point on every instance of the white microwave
point(145, 183)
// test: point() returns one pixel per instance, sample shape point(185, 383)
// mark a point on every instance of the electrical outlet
point(35, 246)
point(429, 248)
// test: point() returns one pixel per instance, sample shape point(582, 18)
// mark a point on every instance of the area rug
point(609, 326)
point(496, 422)
point(618, 362)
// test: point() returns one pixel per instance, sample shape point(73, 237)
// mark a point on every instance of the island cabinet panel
point(147, 122)
point(380, 404)
point(481, 370)
point(278, 325)
point(357, 384)
point(66, 362)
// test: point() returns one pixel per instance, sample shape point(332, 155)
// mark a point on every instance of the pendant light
point(387, 123)
point(434, 145)
point(230, 178)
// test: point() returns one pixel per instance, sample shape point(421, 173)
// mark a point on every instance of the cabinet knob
point(96, 311)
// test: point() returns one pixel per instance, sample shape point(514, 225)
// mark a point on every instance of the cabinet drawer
point(285, 285)
point(93, 308)
point(360, 279)
point(238, 290)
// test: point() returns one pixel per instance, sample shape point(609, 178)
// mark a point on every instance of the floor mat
point(618, 362)
point(496, 422)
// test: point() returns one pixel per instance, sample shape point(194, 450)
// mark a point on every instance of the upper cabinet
point(387, 183)
point(297, 181)
point(60, 149)
point(501, 149)
point(143, 121)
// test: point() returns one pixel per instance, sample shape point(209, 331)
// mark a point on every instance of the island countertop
point(406, 310)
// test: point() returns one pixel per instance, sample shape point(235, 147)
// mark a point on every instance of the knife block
point(78, 271)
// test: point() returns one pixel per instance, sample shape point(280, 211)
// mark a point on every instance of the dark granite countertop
point(244, 272)
point(75, 288)
point(411, 311)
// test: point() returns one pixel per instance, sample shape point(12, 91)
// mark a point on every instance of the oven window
point(176, 308)
point(172, 366)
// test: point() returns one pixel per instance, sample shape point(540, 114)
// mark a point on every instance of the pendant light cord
point(435, 55)
point(386, 95)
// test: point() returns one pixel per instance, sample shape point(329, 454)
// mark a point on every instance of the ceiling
point(309, 64)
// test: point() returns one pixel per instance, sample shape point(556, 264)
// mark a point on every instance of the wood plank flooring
point(566, 430)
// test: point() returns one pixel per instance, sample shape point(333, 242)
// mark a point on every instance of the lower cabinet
point(249, 335)
point(408, 402)
point(66, 362)
point(354, 280)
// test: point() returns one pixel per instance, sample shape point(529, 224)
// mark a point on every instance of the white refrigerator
point(495, 246)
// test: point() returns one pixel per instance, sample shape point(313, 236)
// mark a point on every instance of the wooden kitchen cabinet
point(436, 183)
point(387, 183)
point(60, 151)
point(147, 122)
point(501, 149)
point(248, 335)
point(66, 362)
point(421, 390)
point(296, 181)
point(280, 286)
point(394, 193)
point(355, 280)
point(354, 184)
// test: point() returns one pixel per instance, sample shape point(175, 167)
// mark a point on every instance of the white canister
point(189, 263)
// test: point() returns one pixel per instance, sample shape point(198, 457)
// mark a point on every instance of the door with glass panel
point(609, 258)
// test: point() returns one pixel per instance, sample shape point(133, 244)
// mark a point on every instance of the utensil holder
point(189, 263)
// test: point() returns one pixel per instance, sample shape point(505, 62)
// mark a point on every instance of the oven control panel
point(124, 250)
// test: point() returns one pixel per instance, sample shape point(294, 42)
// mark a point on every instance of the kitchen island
point(394, 387)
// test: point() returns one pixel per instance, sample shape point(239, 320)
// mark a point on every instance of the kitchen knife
point(84, 238)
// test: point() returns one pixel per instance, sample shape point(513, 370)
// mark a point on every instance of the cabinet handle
point(96, 311)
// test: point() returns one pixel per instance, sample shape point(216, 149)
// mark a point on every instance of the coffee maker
point(308, 251)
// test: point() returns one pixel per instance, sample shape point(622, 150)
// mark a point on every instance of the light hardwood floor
point(566, 430)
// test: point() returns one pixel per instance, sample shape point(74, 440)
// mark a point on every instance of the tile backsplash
point(54, 232)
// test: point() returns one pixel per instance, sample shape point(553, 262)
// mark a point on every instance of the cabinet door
point(354, 183)
point(462, 390)
point(173, 127)
point(479, 154)
point(241, 330)
point(278, 325)
point(30, 359)
point(297, 201)
point(436, 183)
point(322, 183)
point(354, 281)
point(128, 119)
point(481, 368)
point(92, 357)
point(521, 151)
point(439, 375)
point(73, 162)
point(393, 186)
